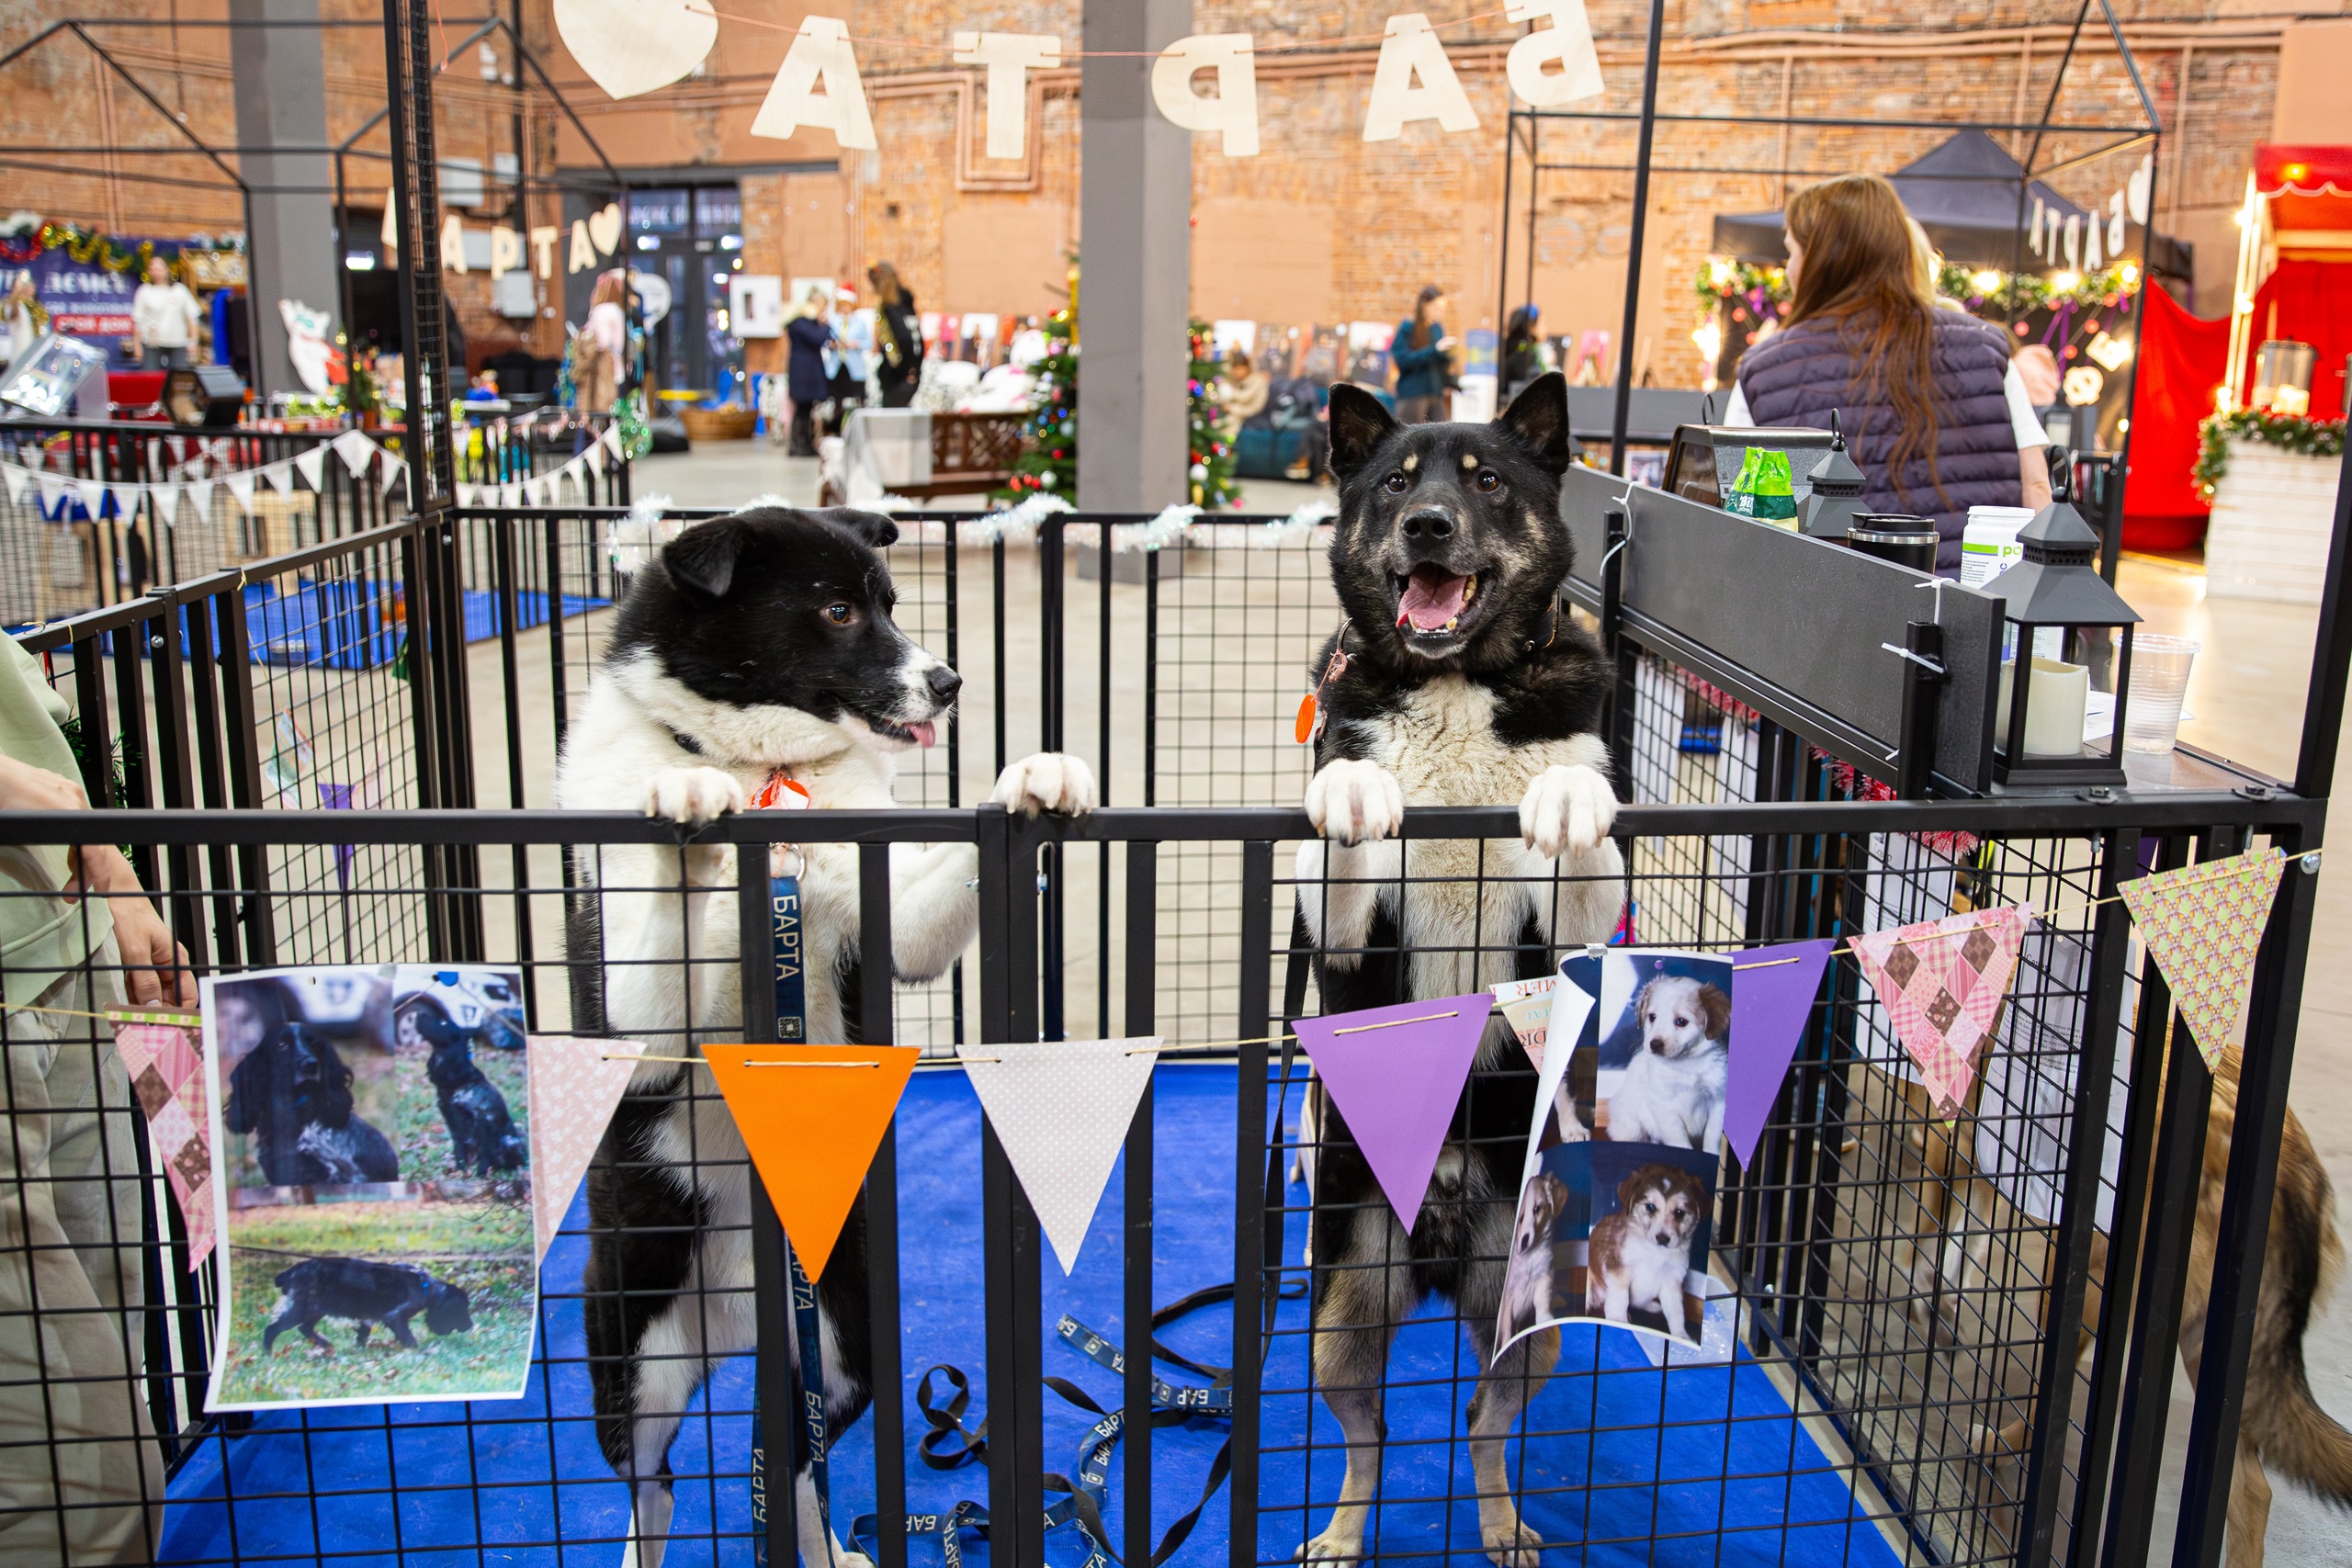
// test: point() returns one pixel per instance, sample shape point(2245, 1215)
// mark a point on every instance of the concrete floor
point(2246, 702)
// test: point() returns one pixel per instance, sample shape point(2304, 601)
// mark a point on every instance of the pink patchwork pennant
point(166, 1072)
point(1941, 982)
point(2202, 925)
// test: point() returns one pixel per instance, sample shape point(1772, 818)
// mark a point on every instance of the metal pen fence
point(1900, 1378)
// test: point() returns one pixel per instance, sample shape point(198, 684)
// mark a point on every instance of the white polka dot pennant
point(1061, 1109)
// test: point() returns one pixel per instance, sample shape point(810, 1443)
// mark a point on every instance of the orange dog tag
point(1304, 729)
point(771, 795)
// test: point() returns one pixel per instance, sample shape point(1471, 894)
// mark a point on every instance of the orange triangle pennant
point(812, 1117)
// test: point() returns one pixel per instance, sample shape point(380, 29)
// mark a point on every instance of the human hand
point(24, 787)
point(1449, 343)
point(155, 966)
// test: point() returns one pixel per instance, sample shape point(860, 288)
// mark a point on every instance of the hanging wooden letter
point(1008, 58)
point(1233, 109)
point(1567, 41)
point(505, 251)
point(583, 253)
point(1412, 50)
point(821, 52)
point(453, 245)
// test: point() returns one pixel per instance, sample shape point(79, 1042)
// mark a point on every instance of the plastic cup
point(2159, 681)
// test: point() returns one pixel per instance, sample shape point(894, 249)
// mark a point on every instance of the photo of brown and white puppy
point(1527, 1286)
point(1672, 1090)
point(1639, 1258)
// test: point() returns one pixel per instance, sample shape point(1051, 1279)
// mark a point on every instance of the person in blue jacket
point(1419, 352)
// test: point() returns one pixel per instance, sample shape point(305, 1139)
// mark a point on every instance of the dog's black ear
point(1359, 424)
point(248, 1090)
point(1539, 416)
point(878, 531)
point(702, 559)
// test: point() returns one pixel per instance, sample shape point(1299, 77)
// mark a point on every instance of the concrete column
point(281, 84)
point(1134, 288)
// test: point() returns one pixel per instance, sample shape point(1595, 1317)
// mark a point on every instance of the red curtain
point(2314, 304)
point(2181, 361)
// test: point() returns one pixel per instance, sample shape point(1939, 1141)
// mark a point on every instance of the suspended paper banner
point(200, 496)
point(1061, 1109)
point(812, 1130)
point(1232, 110)
point(594, 457)
point(92, 493)
point(1770, 1006)
point(1396, 1074)
point(53, 489)
point(16, 477)
point(574, 1090)
point(1942, 982)
point(1411, 52)
point(2202, 925)
point(629, 47)
point(1567, 42)
point(313, 464)
point(465, 494)
point(281, 479)
point(167, 1075)
point(125, 498)
point(241, 486)
point(166, 500)
point(355, 448)
point(820, 50)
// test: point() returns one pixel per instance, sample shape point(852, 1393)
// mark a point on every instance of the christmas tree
point(1211, 454)
point(1050, 465)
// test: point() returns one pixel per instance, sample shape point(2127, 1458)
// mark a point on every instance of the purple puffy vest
point(1796, 377)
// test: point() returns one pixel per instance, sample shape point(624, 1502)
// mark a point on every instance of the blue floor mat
point(341, 623)
point(1641, 1465)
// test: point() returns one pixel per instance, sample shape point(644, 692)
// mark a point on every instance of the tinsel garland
point(85, 246)
point(629, 416)
point(2298, 433)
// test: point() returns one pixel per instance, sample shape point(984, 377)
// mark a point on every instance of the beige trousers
point(81, 1475)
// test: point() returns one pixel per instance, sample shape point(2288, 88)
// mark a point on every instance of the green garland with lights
point(1208, 455)
point(2295, 433)
point(1719, 278)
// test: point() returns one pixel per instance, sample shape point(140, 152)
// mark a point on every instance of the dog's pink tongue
point(926, 733)
point(1431, 598)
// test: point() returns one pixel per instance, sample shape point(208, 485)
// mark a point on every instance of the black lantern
point(2039, 717)
point(1829, 512)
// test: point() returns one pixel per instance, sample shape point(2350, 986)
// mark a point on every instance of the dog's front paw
point(1569, 809)
point(1047, 781)
point(1509, 1543)
point(1355, 803)
point(692, 796)
point(1334, 1545)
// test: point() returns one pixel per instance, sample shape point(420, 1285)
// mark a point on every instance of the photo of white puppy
point(1527, 1285)
point(1672, 1091)
point(1639, 1258)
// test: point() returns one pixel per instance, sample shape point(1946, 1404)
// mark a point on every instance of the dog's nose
point(1428, 519)
point(945, 682)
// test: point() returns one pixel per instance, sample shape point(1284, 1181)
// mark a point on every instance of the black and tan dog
point(1457, 679)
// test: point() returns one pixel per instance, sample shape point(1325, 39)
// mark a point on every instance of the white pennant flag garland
point(313, 464)
point(1061, 1109)
point(241, 486)
point(355, 448)
point(573, 1091)
point(166, 501)
point(16, 477)
point(510, 495)
point(393, 469)
point(35, 457)
point(199, 498)
point(92, 494)
point(178, 445)
point(465, 494)
point(596, 456)
point(53, 489)
point(280, 476)
point(126, 499)
point(613, 440)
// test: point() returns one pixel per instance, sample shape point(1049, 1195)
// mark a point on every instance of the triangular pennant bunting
point(393, 469)
point(811, 1117)
point(613, 440)
point(125, 498)
point(510, 495)
point(2202, 925)
point(1061, 1109)
point(16, 477)
point(1941, 982)
point(1773, 993)
point(194, 467)
point(574, 1086)
point(281, 478)
point(166, 499)
point(465, 494)
point(595, 457)
point(313, 464)
point(52, 488)
point(242, 486)
point(166, 1071)
point(1396, 1074)
point(92, 493)
point(200, 497)
point(355, 448)
point(178, 448)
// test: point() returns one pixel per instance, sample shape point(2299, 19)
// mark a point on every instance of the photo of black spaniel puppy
point(482, 1138)
point(366, 1293)
point(292, 1094)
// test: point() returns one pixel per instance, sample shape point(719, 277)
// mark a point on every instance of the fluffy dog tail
point(2286, 1424)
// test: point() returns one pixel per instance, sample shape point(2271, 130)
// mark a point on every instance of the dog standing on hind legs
point(1457, 679)
point(757, 650)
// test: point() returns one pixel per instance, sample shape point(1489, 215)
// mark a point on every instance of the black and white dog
point(366, 1293)
point(482, 1138)
point(1465, 682)
point(292, 1093)
point(758, 646)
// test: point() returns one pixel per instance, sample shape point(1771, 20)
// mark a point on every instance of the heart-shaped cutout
point(630, 47)
point(605, 228)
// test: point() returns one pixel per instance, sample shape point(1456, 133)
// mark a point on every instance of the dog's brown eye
point(839, 614)
point(1488, 480)
point(1395, 483)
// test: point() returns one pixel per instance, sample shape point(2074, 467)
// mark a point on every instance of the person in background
point(602, 347)
point(1933, 410)
point(808, 335)
point(23, 317)
point(1522, 350)
point(1241, 391)
point(2037, 367)
point(77, 933)
point(851, 357)
point(162, 319)
point(1419, 351)
point(898, 337)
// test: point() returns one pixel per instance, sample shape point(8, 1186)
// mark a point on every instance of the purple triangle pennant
point(1396, 1074)
point(1772, 992)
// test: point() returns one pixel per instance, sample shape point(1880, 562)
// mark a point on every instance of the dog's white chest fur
point(1441, 745)
point(1664, 1099)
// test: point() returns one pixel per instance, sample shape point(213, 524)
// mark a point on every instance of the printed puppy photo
point(371, 1186)
point(1664, 1052)
point(1613, 1233)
